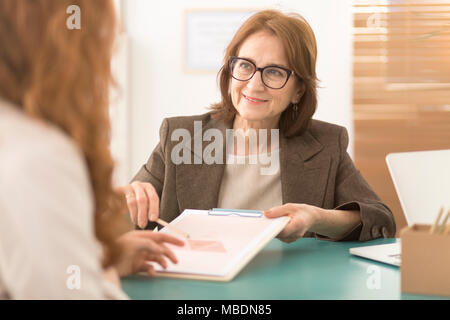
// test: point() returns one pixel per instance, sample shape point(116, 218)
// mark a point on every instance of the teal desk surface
point(306, 269)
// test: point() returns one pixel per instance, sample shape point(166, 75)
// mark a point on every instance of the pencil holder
point(425, 266)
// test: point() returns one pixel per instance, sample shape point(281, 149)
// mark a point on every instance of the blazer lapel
point(198, 185)
point(304, 174)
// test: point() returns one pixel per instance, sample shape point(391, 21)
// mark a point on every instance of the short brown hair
point(301, 50)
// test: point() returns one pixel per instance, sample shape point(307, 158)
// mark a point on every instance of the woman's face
point(252, 99)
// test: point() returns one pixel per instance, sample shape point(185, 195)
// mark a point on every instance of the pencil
point(444, 224)
point(171, 227)
point(436, 222)
point(447, 230)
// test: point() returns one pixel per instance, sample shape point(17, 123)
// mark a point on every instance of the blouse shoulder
point(47, 206)
point(23, 139)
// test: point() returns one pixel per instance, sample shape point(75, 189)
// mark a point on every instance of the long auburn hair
point(63, 77)
point(300, 46)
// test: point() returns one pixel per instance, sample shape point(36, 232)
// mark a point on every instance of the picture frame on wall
point(206, 33)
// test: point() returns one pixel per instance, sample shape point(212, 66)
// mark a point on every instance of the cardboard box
point(425, 266)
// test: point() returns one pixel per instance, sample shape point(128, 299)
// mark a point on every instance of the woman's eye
point(245, 65)
point(274, 72)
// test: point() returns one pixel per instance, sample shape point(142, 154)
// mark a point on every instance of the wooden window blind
point(401, 85)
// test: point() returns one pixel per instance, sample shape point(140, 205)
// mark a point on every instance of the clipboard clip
point(237, 212)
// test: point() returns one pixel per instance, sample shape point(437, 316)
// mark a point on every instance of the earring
point(294, 110)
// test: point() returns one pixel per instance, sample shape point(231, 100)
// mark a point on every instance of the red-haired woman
point(268, 84)
point(60, 218)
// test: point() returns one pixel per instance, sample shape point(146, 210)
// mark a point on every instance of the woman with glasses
point(268, 84)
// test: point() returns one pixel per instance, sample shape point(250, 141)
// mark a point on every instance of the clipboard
point(221, 243)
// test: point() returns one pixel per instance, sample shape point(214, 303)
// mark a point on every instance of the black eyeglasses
point(274, 77)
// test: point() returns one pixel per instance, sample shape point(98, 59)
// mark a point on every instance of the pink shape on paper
point(206, 245)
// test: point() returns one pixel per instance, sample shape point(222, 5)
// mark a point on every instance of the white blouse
point(249, 184)
point(48, 249)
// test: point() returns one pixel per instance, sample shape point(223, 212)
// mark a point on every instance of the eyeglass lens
point(272, 77)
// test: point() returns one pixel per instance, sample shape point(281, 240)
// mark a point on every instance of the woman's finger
point(286, 232)
point(131, 202)
point(146, 246)
point(149, 269)
point(159, 259)
point(292, 228)
point(161, 237)
point(142, 204)
point(276, 212)
point(153, 209)
point(169, 254)
point(287, 240)
point(144, 262)
point(155, 243)
point(152, 247)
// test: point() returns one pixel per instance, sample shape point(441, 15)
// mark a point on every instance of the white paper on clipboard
point(219, 245)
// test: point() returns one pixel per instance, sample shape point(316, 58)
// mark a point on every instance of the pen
point(170, 227)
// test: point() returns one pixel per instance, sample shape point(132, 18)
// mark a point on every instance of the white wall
point(120, 113)
point(159, 88)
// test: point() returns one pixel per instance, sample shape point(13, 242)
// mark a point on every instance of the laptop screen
point(422, 183)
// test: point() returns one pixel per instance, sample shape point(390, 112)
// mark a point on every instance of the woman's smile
point(253, 100)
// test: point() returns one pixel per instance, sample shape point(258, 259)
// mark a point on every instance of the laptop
point(422, 182)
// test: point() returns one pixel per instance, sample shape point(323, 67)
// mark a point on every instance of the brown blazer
point(315, 169)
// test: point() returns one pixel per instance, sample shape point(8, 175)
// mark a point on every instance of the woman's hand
point(303, 218)
point(142, 202)
point(140, 246)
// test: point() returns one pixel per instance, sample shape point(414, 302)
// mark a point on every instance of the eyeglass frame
point(261, 70)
